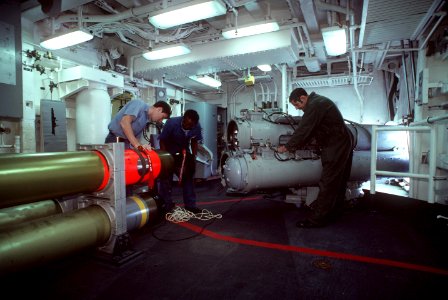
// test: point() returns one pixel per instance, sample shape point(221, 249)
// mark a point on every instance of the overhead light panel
point(188, 12)
point(335, 40)
point(265, 68)
point(257, 28)
point(167, 51)
point(66, 39)
point(207, 80)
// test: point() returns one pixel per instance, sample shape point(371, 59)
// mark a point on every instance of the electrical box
point(160, 94)
point(249, 80)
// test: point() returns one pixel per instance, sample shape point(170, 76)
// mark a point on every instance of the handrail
point(432, 158)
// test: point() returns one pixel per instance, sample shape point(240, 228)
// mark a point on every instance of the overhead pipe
point(297, 32)
point(284, 102)
point(302, 42)
point(362, 28)
point(406, 80)
point(52, 175)
point(130, 13)
point(383, 55)
point(441, 16)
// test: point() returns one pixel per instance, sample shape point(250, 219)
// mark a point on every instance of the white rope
point(180, 214)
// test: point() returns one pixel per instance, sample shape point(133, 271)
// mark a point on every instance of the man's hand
point(281, 149)
point(147, 147)
point(144, 147)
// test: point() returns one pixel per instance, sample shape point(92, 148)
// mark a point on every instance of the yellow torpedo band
point(143, 209)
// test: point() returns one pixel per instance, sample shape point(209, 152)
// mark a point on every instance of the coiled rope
point(180, 214)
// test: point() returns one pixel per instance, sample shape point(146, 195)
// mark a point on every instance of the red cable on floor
point(225, 201)
point(337, 255)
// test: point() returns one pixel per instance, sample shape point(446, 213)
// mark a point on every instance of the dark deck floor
point(386, 247)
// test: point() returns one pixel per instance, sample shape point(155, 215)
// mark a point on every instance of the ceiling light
point(167, 51)
point(66, 39)
point(312, 64)
point(257, 28)
point(188, 12)
point(335, 40)
point(264, 68)
point(207, 80)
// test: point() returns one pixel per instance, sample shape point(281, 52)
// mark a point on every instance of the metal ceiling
point(377, 21)
point(396, 20)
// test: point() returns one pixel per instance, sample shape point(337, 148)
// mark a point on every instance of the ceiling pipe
point(383, 56)
point(32, 10)
point(421, 28)
point(441, 16)
point(297, 34)
point(130, 13)
point(284, 89)
point(362, 28)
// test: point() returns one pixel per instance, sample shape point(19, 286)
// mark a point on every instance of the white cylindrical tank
point(93, 114)
point(244, 174)
point(243, 133)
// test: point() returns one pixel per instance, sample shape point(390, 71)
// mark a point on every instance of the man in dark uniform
point(323, 121)
point(180, 137)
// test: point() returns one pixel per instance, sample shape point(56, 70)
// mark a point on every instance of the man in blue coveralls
point(128, 124)
point(180, 137)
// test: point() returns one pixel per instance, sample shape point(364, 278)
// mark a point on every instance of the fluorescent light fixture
point(207, 80)
point(312, 64)
point(257, 28)
point(167, 51)
point(335, 40)
point(264, 68)
point(188, 12)
point(66, 39)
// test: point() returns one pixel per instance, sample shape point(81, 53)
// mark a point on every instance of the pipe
point(47, 239)
point(363, 23)
point(26, 178)
point(405, 75)
point(130, 13)
point(430, 120)
point(308, 38)
point(354, 63)
point(284, 89)
point(28, 212)
point(388, 50)
point(59, 235)
point(139, 211)
point(383, 55)
point(441, 16)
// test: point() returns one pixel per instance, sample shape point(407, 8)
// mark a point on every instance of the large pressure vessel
point(244, 133)
point(244, 174)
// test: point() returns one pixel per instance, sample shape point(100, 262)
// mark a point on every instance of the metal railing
point(432, 159)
